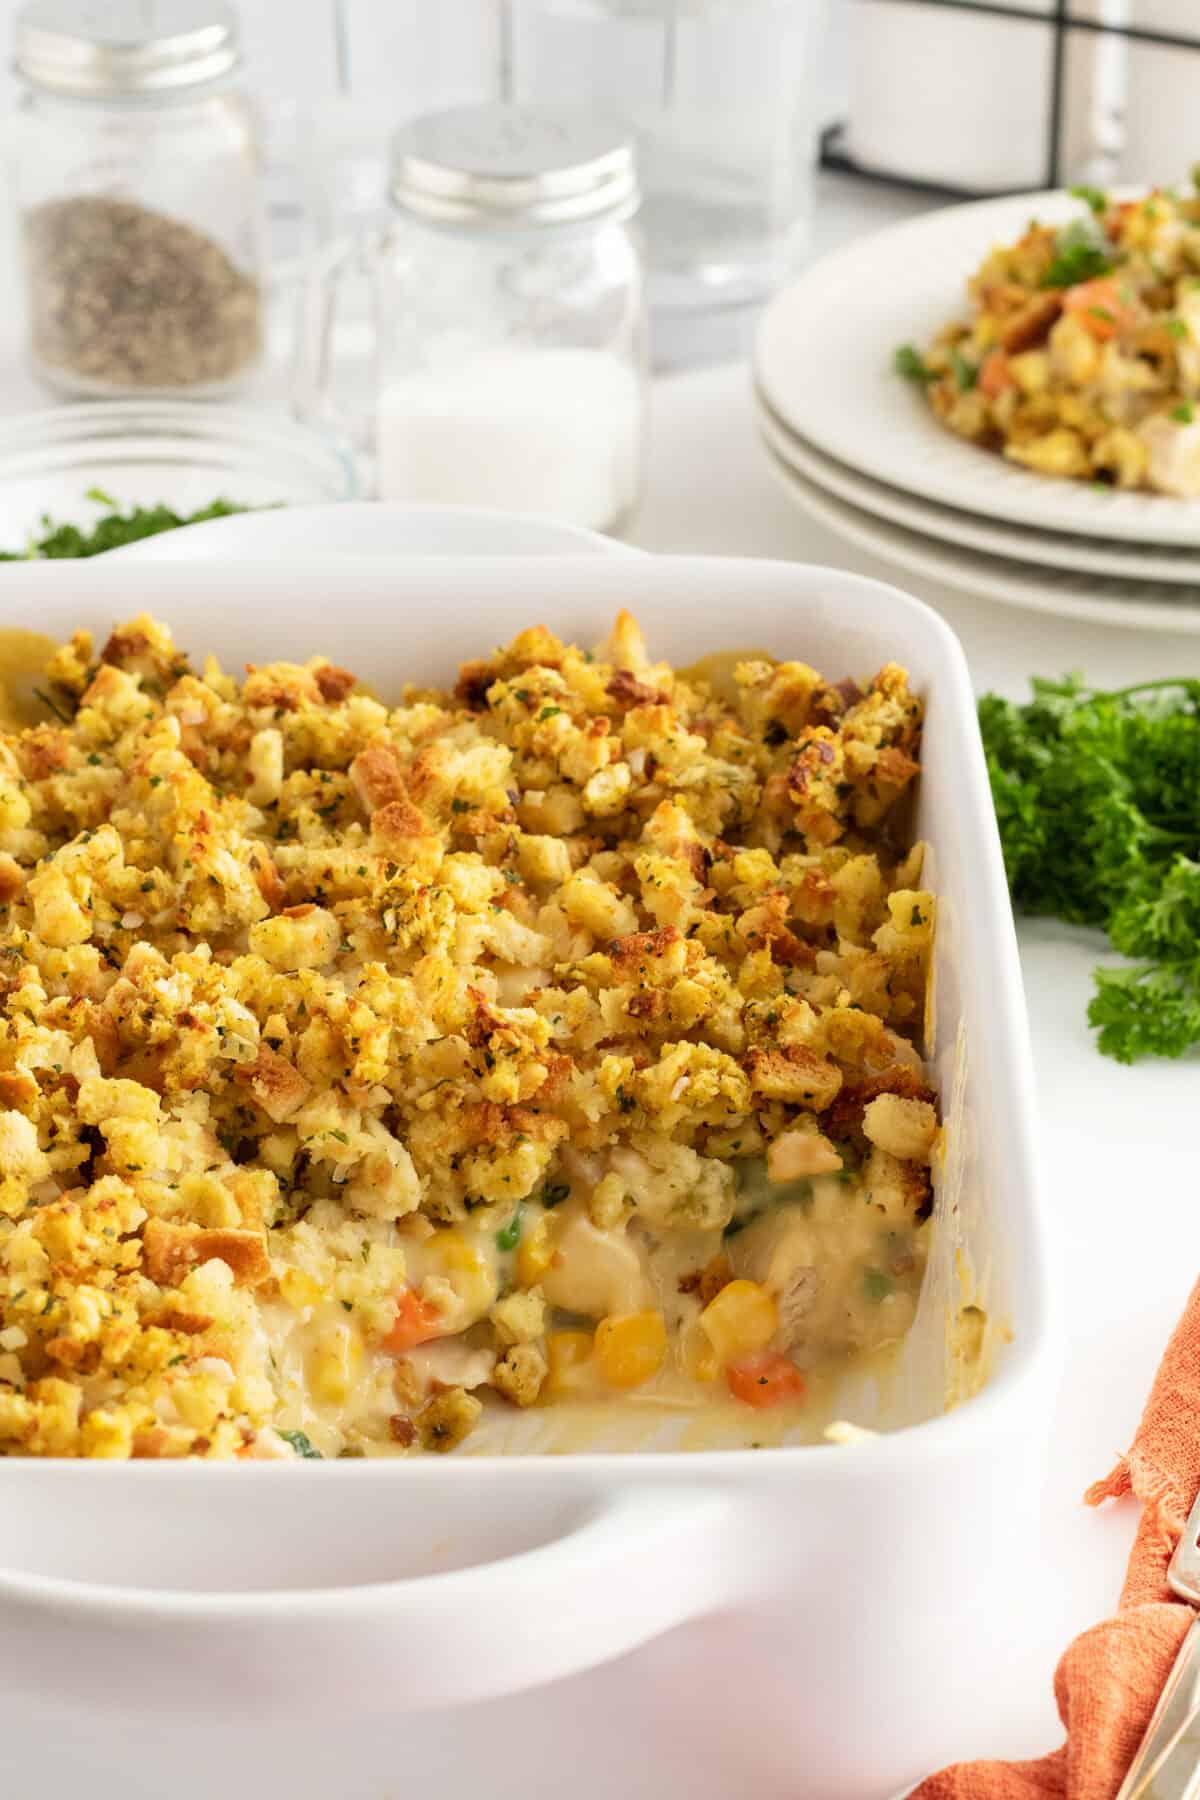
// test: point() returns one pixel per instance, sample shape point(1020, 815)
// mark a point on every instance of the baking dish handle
point(633, 1567)
point(624, 1570)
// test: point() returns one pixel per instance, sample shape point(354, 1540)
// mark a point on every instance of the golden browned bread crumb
point(341, 1043)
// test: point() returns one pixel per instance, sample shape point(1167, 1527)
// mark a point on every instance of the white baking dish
point(853, 1579)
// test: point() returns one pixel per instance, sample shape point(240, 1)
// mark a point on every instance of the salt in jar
point(509, 317)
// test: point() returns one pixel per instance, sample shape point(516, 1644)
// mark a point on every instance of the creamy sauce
point(716, 669)
point(23, 659)
point(844, 1273)
point(648, 1420)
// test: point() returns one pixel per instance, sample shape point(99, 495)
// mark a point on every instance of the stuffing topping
point(365, 1068)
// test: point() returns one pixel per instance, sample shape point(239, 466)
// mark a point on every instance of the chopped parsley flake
point(1094, 197)
point(908, 362)
point(302, 1444)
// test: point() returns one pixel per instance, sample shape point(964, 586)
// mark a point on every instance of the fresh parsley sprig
point(114, 528)
point(1093, 197)
point(1097, 794)
point(1082, 251)
point(908, 361)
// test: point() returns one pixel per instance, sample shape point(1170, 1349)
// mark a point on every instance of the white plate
point(823, 361)
point(372, 528)
point(1144, 606)
point(1038, 548)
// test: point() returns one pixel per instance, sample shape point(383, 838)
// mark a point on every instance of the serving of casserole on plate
point(1080, 357)
point(547, 1039)
point(1091, 383)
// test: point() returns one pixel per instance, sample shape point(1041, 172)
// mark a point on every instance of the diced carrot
point(415, 1323)
point(765, 1379)
point(1099, 307)
point(994, 374)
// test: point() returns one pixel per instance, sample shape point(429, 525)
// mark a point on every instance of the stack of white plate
point(858, 448)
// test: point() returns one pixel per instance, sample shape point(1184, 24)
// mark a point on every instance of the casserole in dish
point(221, 1595)
point(537, 1043)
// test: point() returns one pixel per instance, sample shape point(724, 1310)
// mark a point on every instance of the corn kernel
point(199, 1400)
point(740, 1320)
point(335, 1362)
point(470, 1277)
point(699, 1357)
point(568, 1354)
point(106, 1434)
point(535, 1255)
point(298, 1289)
point(630, 1347)
point(457, 1252)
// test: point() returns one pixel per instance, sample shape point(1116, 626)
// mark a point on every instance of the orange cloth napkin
point(1109, 1679)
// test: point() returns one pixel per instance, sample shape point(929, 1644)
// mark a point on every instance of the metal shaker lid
point(528, 165)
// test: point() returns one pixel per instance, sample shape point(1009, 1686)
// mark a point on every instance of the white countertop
point(1117, 1185)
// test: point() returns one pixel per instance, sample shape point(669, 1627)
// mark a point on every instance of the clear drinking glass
point(395, 62)
point(719, 94)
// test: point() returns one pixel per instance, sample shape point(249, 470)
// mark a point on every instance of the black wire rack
point(1062, 22)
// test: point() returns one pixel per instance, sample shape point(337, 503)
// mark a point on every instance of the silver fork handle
point(1167, 1765)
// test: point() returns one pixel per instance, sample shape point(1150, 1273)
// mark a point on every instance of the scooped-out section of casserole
point(366, 1069)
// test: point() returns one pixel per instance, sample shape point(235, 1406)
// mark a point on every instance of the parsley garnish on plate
point(1097, 796)
point(1081, 253)
point(965, 373)
point(907, 362)
point(1094, 197)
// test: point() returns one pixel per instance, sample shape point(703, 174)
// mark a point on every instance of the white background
point(410, 53)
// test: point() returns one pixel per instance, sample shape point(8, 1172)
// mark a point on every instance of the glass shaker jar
point(138, 179)
point(509, 322)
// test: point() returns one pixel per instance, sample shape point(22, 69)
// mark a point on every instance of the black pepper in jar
point(123, 297)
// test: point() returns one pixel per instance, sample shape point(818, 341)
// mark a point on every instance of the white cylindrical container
point(961, 96)
point(509, 339)
point(138, 180)
point(1162, 85)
